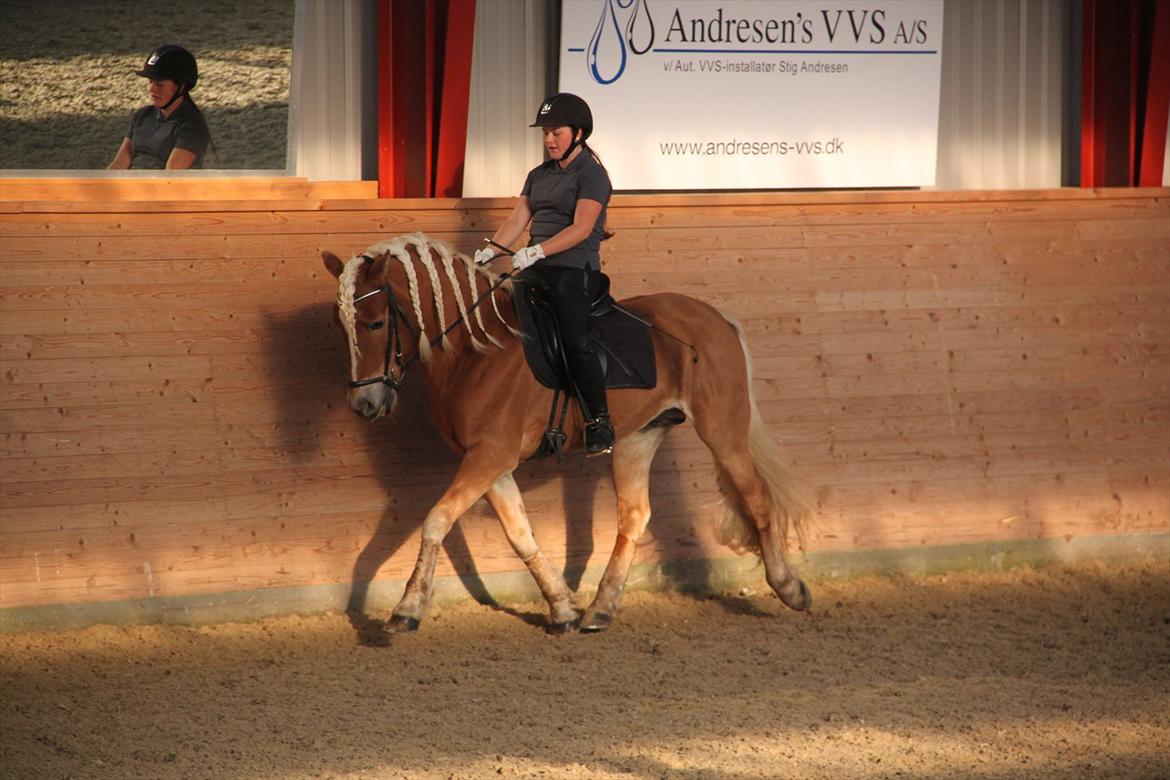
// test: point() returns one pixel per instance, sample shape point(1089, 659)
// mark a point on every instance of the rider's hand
point(527, 256)
point(484, 256)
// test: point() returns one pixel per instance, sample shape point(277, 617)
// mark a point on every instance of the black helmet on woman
point(565, 109)
point(172, 62)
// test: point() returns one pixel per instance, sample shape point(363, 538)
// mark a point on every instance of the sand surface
point(1059, 672)
point(68, 83)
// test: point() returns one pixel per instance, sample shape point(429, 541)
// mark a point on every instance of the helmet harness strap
point(576, 142)
point(178, 94)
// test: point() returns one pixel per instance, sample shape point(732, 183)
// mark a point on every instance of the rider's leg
point(573, 294)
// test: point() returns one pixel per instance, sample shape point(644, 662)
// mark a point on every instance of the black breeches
point(571, 291)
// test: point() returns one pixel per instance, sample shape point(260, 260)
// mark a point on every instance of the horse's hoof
point(373, 636)
point(560, 629)
point(592, 624)
point(801, 601)
point(402, 624)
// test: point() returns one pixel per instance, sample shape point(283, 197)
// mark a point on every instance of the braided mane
point(425, 251)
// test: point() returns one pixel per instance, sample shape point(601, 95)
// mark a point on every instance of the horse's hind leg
point(755, 504)
point(505, 498)
point(632, 456)
point(756, 490)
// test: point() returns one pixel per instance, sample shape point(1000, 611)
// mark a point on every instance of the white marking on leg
point(149, 578)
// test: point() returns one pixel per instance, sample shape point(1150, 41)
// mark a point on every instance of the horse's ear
point(333, 264)
point(377, 269)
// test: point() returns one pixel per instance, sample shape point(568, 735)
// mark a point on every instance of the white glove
point(484, 256)
point(526, 257)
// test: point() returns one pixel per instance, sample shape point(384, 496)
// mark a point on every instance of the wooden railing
point(942, 368)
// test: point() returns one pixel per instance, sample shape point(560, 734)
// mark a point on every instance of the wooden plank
point(766, 336)
point(217, 223)
point(620, 265)
point(152, 300)
point(278, 244)
point(187, 192)
point(182, 452)
point(205, 412)
point(145, 341)
point(273, 315)
point(116, 188)
point(885, 526)
point(620, 218)
point(151, 527)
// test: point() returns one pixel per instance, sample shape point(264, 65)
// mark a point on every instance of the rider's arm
point(123, 158)
point(180, 159)
point(515, 224)
point(584, 218)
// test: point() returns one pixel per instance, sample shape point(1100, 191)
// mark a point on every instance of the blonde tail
point(789, 506)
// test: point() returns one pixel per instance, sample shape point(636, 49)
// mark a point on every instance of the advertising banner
point(758, 94)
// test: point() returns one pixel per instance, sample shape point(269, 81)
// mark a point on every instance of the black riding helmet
point(174, 63)
point(565, 109)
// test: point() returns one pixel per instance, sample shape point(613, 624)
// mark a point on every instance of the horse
point(413, 299)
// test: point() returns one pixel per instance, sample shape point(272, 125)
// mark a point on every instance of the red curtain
point(424, 84)
point(1125, 92)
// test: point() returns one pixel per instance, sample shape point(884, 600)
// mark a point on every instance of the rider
point(171, 132)
point(565, 200)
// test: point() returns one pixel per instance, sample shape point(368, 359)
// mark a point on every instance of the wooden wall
point(942, 367)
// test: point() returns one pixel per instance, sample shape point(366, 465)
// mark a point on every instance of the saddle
point(620, 339)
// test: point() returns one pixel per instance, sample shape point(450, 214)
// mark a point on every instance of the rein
point(394, 341)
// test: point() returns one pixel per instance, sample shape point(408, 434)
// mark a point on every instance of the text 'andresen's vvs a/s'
point(784, 67)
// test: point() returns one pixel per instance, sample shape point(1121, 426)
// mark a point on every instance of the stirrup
point(599, 436)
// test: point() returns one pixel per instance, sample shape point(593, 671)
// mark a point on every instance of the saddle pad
point(623, 343)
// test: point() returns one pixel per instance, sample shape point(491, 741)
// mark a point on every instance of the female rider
point(169, 133)
point(565, 201)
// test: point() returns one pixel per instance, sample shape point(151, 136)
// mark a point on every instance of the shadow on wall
point(307, 365)
point(404, 452)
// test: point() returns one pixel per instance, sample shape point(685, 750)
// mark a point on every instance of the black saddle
point(621, 340)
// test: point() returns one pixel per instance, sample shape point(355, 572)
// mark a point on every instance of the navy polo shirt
point(155, 136)
point(553, 194)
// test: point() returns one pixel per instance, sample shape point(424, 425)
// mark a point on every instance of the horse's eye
point(377, 325)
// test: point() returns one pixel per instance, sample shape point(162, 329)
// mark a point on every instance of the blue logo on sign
point(606, 55)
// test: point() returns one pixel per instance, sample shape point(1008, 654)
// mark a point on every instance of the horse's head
point(374, 327)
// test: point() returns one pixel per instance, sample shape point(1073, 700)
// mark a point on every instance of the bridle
point(394, 340)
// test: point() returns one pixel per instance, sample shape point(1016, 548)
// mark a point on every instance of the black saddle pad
point(622, 341)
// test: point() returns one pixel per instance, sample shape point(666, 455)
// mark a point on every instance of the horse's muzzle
point(372, 401)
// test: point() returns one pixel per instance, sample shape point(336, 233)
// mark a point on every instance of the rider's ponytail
point(606, 233)
point(210, 140)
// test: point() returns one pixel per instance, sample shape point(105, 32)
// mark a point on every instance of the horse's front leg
point(474, 477)
point(505, 498)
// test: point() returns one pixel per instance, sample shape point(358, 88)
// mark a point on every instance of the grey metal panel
point(509, 78)
point(1003, 94)
point(1166, 159)
point(333, 114)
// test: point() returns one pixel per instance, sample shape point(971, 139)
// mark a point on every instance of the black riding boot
point(599, 436)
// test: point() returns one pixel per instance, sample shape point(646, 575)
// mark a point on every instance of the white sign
point(757, 94)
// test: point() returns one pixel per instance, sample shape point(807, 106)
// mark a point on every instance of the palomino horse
point(412, 297)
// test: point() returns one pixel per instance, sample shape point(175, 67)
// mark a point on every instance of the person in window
point(170, 133)
point(565, 200)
